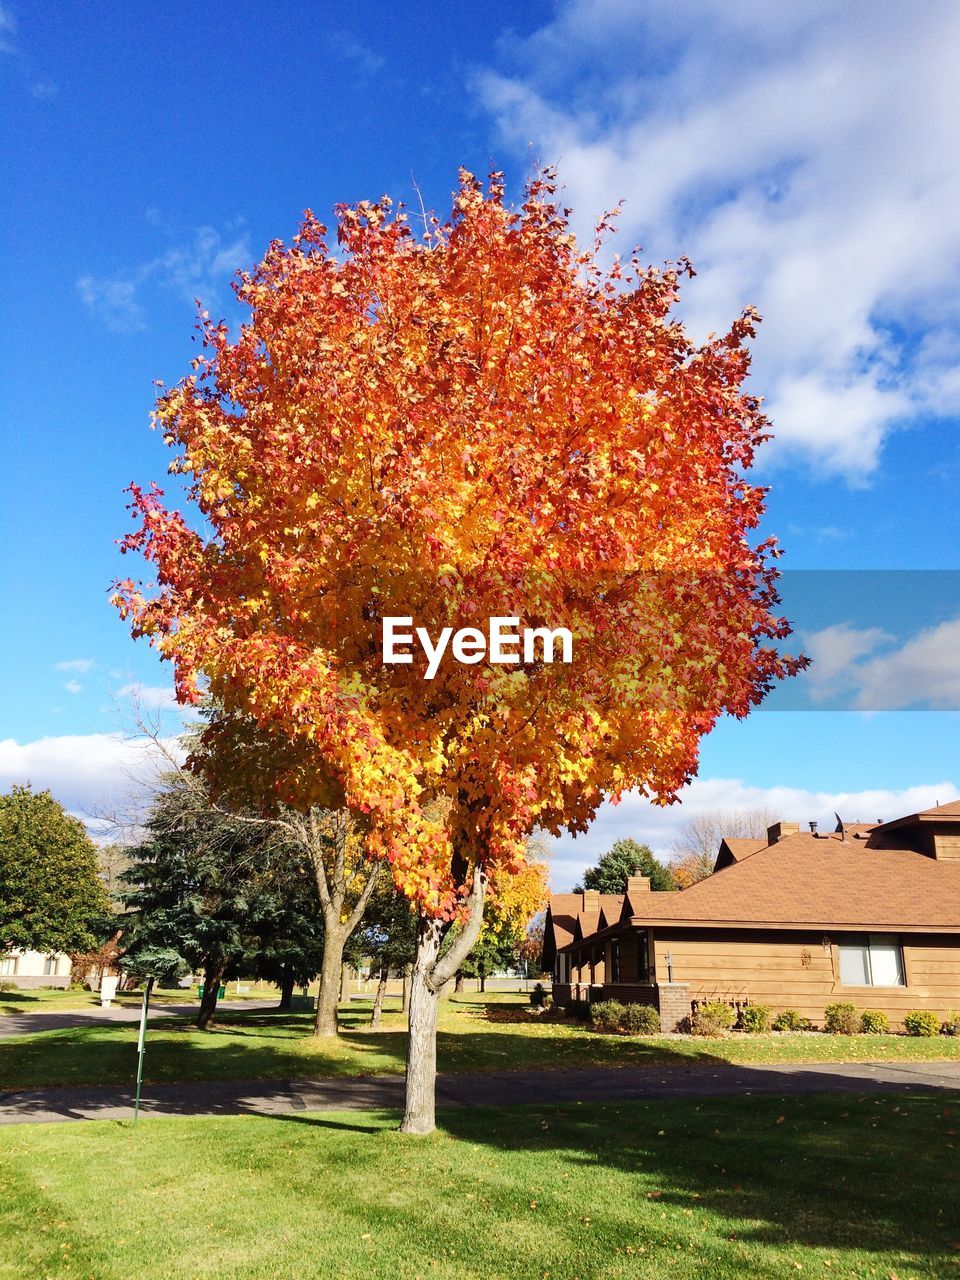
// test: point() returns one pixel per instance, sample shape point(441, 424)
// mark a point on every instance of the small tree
point(51, 896)
point(627, 858)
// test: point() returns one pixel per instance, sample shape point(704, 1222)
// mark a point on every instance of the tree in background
point(386, 936)
point(241, 765)
point(530, 952)
point(284, 941)
point(627, 858)
point(480, 422)
point(511, 905)
point(214, 888)
point(51, 896)
point(695, 849)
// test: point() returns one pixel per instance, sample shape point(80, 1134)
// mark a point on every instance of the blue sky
point(808, 161)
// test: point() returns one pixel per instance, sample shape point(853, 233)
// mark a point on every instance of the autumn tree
point(471, 423)
point(51, 895)
point(516, 899)
point(696, 847)
point(625, 859)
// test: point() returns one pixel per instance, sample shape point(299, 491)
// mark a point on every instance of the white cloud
point(74, 664)
point(660, 827)
point(834, 651)
point(194, 270)
point(115, 301)
point(44, 89)
point(8, 30)
point(803, 156)
point(97, 773)
point(149, 697)
point(346, 46)
point(923, 671)
point(73, 686)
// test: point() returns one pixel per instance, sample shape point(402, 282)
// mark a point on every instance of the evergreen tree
point(627, 858)
point(225, 892)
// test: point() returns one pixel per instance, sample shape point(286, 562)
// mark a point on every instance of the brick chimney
point(591, 901)
point(637, 885)
point(781, 829)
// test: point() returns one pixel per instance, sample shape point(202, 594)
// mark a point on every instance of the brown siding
point(947, 846)
point(797, 971)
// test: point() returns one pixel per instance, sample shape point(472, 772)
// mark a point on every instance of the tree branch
point(448, 964)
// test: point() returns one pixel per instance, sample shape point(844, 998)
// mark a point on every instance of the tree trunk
point(420, 1114)
point(483, 982)
point(378, 998)
point(344, 983)
point(405, 993)
point(458, 982)
point(328, 997)
point(212, 977)
point(430, 973)
point(286, 989)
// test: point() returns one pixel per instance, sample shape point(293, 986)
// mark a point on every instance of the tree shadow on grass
point(859, 1171)
point(856, 1172)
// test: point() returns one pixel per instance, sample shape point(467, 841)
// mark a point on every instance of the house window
point(872, 961)
point(614, 959)
point(643, 957)
point(8, 965)
point(50, 966)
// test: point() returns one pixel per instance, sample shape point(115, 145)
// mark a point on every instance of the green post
point(140, 1045)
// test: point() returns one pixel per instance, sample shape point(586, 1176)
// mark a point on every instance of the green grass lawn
point(722, 1190)
point(476, 1034)
point(56, 999)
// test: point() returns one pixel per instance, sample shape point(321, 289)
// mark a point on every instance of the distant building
point(35, 969)
point(868, 914)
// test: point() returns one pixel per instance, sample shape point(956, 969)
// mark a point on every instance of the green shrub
point(641, 1020)
point(788, 1020)
point(951, 1025)
point(755, 1019)
point(712, 1018)
point(537, 995)
point(874, 1022)
point(579, 1009)
point(841, 1019)
point(607, 1015)
point(921, 1022)
point(8, 986)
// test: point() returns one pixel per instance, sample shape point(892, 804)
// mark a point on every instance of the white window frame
point(865, 944)
point(8, 966)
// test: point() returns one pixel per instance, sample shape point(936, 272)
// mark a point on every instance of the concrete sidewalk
point(286, 1097)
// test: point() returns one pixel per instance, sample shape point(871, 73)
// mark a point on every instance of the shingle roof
point(821, 881)
point(743, 847)
point(562, 915)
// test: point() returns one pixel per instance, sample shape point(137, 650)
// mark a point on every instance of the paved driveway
point(286, 1097)
point(22, 1024)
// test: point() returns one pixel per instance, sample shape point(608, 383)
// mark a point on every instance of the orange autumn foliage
point(477, 422)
